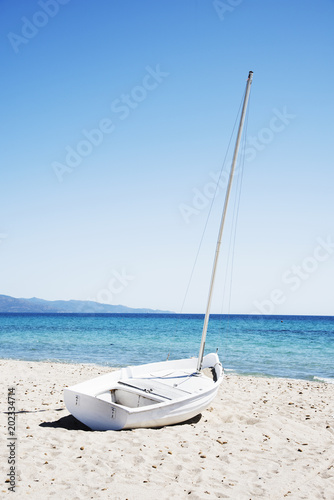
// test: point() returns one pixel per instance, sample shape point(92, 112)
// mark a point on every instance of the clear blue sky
point(163, 81)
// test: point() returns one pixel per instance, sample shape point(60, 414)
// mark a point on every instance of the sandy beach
point(261, 438)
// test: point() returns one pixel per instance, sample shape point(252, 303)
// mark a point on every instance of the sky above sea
point(116, 118)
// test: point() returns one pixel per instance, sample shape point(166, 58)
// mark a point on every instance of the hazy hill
point(12, 305)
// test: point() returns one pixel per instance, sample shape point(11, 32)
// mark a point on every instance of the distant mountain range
point(12, 305)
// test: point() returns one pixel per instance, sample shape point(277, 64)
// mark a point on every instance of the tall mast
point(235, 155)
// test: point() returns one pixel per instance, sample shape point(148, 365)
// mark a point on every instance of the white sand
point(262, 438)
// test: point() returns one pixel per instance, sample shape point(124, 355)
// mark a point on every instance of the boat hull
point(152, 395)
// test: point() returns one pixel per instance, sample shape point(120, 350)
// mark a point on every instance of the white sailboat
point(156, 394)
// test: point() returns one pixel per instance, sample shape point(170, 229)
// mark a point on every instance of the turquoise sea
point(279, 346)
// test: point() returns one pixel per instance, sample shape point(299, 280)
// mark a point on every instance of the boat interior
point(153, 389)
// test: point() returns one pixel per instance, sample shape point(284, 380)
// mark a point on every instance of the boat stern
point(96, 413)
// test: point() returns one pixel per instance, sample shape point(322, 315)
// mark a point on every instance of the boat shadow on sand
point(70, 423)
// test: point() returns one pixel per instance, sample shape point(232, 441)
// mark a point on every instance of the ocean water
point(278, 346)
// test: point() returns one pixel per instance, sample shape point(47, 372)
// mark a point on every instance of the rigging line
point(233, 221)
point(236, 214)
point(211, 206)
point(236, 207)
point(207, 219)
point(238, 203)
